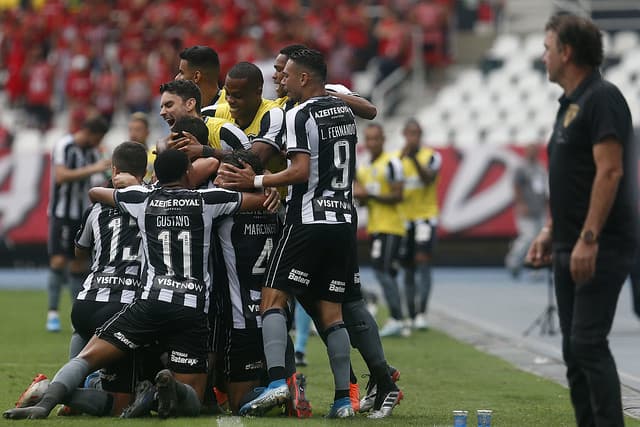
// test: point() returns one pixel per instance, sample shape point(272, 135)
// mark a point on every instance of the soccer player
point(419, 207)
point(244, 244)
point(176, 229)
point(139, 132)
point(360, 106)
point(74, 160)
point(201, 65)
point(380, 185)
point(321, 138)
point(112, 239)
point(362, 327)
point(181, 98)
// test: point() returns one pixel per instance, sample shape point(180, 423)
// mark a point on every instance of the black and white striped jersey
point(243, 248)
point(176, 227)
point(69, 200)
point(325, 128)
point(114, 240)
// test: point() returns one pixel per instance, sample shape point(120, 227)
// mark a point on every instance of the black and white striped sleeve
point(394, 171)
point(297, 135)
point(270, 128)
point(219, 202)
point(132, 200)
point(84, 237)
point(232, 138)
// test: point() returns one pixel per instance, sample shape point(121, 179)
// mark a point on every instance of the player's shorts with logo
point(313, 260)
point(244, 355)
point(384, 251)
point(182, 331)
point(421, 237)
point(62, 233)
point(120, 377)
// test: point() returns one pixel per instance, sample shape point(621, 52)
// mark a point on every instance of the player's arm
point(360, 106)
point(62, 174)
point(253, 201)
point(428, 172)
point(84, 237)
point(298, 171)
point(202, 170)
point(103, 195)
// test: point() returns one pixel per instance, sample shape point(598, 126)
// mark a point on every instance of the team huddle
point(193, 276)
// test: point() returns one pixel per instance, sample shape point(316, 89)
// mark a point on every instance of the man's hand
point(583, 261)
point(123, 180)
point(234, 178)
point(539, 254)
point(359, 192)
point(273, 199)
point(102, 165)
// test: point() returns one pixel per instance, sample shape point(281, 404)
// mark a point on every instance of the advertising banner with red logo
point(475, 192)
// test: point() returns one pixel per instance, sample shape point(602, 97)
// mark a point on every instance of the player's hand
point(123, 180)
point(273, 199)
point(103, 164)
point(583, 262)
point(360, 192)
point(539, 254)
point(235, 178)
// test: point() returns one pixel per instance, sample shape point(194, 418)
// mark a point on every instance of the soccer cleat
point(420, 322)
point(300, 359)
point(93, 380)
point(146, 398)
point(32, 413)
point(354, 396)
point(298, 406)
point(222, 398)
point(393, 328)
point(167, 397)
point(33, 394)
point(53, 322)
point(368, 402)
point(388, 400)
point(67, 411)
point(277, 393)
point(341, 408)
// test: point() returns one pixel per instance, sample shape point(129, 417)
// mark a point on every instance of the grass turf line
point(438, 376)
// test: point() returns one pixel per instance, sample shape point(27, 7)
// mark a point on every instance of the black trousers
point(586, 315)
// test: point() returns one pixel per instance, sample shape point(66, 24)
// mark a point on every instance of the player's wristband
point(257, 181)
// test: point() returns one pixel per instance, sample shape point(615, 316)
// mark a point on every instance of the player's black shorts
point(313, 259)
point(244, 355)
point(62, 233)
point(182, 331)
point(121, 377)
point(384, 251)
point(420, 238)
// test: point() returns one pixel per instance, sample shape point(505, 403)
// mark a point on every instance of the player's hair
point(130, 157)
point(412, 122)
point(582, 35)
point(195, 126)
point(141, 117)
point(375, 125)
point(185, 89)
point(170, 165)
point(235, 157)
point(312, 60)
point(247, 70)
point(201, 57)
point(288, 50)
point(96, 125)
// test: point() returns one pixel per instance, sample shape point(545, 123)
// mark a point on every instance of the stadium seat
point(504, 46)
point(624, 41)
point(437, 135)
point(468, 136)
point(499, 135)
point(533, 46)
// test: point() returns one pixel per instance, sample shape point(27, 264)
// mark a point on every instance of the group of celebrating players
point(192, 276)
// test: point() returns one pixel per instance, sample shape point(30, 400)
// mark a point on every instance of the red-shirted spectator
point(39, 90)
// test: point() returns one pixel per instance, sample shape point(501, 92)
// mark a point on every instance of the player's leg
point(59, 251)
point(426, 241)
point(303, 326)
point(384, 250)
point(244, 364)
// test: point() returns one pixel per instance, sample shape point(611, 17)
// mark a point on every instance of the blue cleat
point(341, 408)
point(277, 393)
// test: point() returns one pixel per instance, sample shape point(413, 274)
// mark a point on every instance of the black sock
point(339, 394)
